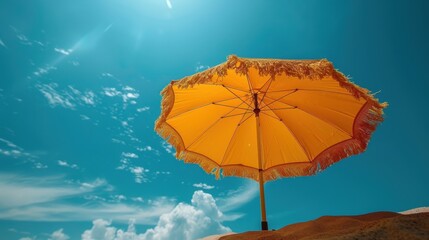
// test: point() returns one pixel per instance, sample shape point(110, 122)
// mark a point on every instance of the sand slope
point(378, 225)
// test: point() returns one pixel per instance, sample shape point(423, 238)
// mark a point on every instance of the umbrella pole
point(264, 223)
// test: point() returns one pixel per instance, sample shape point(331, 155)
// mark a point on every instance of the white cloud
point(168, 148)
point(18, 232)
point(111, 92)
point(94, 198)
point(129, 93)
point(199, 67)
point(203, 186)
point(130, 155)
point(106, 74)
point(63, 51)
point(19, 191)
point(100, 231)
point(24, 40)
point(40, 43)
point(40, 165)
point(58, 235)
point(55, 97)
point(9, 143)
point(237, 198)
point(22, 37)
point(62, 212)
point(13, 153)
point(47, 199)
point(118, 141)
point(89, 98)
point(97, 183)
point(66, 164)
point(124, 164)
point(75, 63)
point(143, 109)
point(128, 88)
point(147, 148)
point(84, 117)
point(10, 149)
point(132, 95)
point(118, 198)
point(43, 70)
point(186, 221)
point(67, 98)
point(139, 174)
point(137, 199)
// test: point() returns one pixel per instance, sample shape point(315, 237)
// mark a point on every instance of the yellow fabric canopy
point(308, 114)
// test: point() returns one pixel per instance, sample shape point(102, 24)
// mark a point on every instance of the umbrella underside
point(307, 122)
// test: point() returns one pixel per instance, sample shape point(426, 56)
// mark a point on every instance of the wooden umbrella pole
point(264, 223)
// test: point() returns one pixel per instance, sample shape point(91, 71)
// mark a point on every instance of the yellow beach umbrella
point(266, 119)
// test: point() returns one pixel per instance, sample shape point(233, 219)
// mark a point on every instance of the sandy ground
point(378, 225)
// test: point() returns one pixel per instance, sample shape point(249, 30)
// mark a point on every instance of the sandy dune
point(378, 225)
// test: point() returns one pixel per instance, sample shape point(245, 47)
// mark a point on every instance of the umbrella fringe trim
point(309, 69)
point(312, 69)
point(167, 104)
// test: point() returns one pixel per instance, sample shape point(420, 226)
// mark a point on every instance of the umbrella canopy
point(265, 119)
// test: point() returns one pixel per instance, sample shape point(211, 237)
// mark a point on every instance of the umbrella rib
point(205, 105)
point(328, 122)
point(278, 109)
point(241, 122)
point(269, 85)
point(228, 99)
point(331, 124)
point(230, 140)
point(278, 99)
point(237, 89)
point(244, 113)
point(197, 138)
point(236, 96)
point(294, 136)
point(279, 102)
point(250, 84)
point(276, 118)
point(234, 107)
point(260, 90)
point(313, 90)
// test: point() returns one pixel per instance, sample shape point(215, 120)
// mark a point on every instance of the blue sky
point(79, 91)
